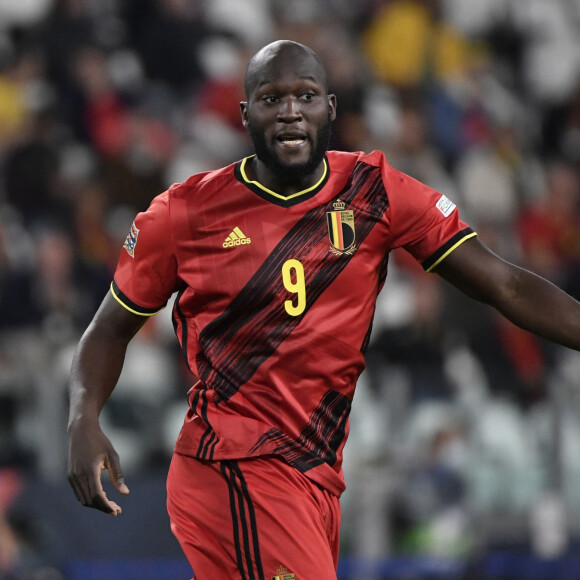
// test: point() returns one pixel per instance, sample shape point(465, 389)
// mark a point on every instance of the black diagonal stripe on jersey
point(202, 413)
point(274, 442)
point(325, 430)
point(237, 342)
point(318, 442)
point(209, 438)
point(206, 446)
point(179, 316)
point(382, 277)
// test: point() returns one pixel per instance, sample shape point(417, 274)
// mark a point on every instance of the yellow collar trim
point(278, 195)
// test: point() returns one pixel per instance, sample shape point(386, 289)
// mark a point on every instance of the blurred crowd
point(460, 415)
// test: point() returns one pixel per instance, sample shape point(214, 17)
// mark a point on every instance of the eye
point(270, 99)
point(308, 96)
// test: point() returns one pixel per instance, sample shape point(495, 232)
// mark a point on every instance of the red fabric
point(275, 383)
point(257, 518)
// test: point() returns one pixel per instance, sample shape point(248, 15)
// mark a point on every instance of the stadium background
point(464, 458)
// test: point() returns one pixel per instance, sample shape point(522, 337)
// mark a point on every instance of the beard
point(295, 171)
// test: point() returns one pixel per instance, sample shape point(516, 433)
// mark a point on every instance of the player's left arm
point(526, 299)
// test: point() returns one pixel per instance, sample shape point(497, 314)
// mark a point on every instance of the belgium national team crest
point(341, 229)
point(283, 574)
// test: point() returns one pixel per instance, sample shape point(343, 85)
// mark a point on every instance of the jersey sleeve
point(146, 273)
point(422, 221)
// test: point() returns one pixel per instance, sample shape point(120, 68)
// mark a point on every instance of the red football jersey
point(276, 296)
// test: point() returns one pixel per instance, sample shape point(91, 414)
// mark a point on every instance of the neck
point(283, 184)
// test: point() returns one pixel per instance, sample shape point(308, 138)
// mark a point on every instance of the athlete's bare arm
point(524, 298)
point(96, 367)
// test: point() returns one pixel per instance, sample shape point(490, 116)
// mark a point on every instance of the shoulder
point(168, 204)
point(207, 180)
point(347, 160)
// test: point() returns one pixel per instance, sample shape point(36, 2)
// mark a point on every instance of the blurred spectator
point(167, 35)
point(102, 109)
point(213, 116)
point(548, 227)
point(487, 183)
point(17, 304)
point(551, 58)
point(14, 98)
point(68, 28)
point(128, 132)
point(411, 149)
point(429, 512)
point(407, 44)
point(67, 289)
point(31, 172)
point(561, 129)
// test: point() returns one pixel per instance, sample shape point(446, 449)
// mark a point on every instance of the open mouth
point(291, 139)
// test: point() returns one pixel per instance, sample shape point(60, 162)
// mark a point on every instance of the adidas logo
point(236, 238)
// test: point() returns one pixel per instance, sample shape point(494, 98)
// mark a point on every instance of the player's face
point(289, 116)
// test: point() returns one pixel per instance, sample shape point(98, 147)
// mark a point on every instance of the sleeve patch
point(445, 205)
point(131, 240)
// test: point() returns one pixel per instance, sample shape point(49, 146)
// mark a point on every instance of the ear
point(332, 106)
point(244, 111)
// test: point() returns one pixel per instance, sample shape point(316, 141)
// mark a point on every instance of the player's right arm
point(96, 368)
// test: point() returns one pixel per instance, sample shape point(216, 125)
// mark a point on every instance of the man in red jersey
point(277, 261)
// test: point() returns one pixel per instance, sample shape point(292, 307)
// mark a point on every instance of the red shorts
point(255, 519)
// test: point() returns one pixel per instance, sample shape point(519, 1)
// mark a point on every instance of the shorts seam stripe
point(253, 521)
point(224, 467)
point(243, 519)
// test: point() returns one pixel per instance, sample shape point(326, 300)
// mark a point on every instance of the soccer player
point(277, 261)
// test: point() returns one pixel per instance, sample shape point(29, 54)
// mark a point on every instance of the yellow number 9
point(293, 278)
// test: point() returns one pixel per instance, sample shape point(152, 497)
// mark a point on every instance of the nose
point(289, 110)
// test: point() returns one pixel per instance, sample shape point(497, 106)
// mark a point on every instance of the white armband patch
point(445, 205)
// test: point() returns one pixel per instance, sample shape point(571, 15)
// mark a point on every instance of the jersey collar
point(277, 198)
